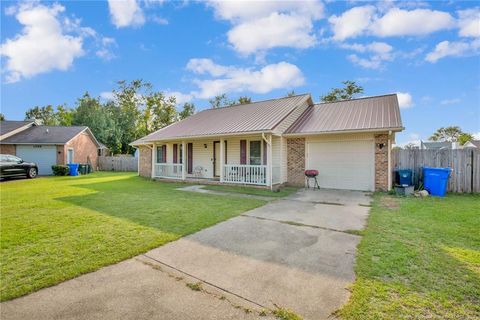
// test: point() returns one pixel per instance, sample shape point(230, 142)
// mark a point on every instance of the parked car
point(12, 166)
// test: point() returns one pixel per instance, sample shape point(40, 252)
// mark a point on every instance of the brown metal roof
point(252, 117)
point(380, 112)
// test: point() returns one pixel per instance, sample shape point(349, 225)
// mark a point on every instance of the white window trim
point(73, 155)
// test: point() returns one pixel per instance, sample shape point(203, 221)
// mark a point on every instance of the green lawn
point(56, 228)
point(283, 192)
point(419, 259)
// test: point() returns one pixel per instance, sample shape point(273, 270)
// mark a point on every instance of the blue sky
point(428, 52)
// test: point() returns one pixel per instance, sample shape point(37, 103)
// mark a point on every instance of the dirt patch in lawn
point(389, 202)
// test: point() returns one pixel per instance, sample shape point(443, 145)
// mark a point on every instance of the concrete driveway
point(295, 253)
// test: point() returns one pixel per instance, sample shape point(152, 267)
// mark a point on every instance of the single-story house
point(437, 145)
point(273, 142)
point(474, 144)
point(48, 145)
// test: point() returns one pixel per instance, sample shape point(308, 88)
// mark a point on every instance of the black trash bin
point(82, 168)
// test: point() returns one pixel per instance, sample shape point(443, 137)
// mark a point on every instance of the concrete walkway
point(293, 253)
point(201, 189)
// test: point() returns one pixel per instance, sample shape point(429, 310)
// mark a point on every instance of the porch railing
point(245, 174)
point(168, 170)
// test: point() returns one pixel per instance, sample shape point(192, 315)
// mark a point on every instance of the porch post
point(154, 159)
point(270, 162)
point(222, 158)
point(184, 160)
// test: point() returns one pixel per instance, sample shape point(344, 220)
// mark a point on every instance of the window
point(255, 153)
point(161, 154)
point(180, 153)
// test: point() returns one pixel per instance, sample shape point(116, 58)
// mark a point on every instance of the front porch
point(242, 160)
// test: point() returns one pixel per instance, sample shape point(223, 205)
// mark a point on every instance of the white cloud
point(125, 13)
point(469, 22)
point(275, 30)
point(398, 22)
point(107, 95)
point(105, 50)
point(352, 22)
point(42, 44)
point(405, 100)
point(453, 49)
point(180, 97)
point(228, 79)
point(450, 101)
point(262, 25)
point(378, 52)
point(366, 20)
point(476, 136)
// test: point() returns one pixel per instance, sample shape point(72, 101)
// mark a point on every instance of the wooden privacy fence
point(117, 163)
point(465, 176)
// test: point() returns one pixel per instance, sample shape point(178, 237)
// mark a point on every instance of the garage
point(348, 164)
point(45, 156)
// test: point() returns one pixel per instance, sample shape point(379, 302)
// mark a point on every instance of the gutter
point(398, 129)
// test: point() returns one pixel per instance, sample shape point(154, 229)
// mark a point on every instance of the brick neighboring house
point(272, 142)
point(48, 145)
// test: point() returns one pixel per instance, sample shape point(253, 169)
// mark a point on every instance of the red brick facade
point(84, 150)
point(145, 161)
point(296, 162)
point(381, 162)
point(8, 149)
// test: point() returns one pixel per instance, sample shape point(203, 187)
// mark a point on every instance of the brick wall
point(8, 149)
point(61, 158)
point(145, 162)
point(83, 148)
point(296, 161)
point(381, 162)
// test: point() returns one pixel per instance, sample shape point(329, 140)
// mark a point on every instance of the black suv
point(11, 166)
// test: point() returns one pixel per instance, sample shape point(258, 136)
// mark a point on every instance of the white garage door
point(43, 155)
point(343, 164)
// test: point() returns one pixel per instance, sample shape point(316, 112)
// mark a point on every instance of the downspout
point(389, 156)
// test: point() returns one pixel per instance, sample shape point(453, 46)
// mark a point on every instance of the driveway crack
point(299, 224)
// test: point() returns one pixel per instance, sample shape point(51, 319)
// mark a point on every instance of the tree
point(2, 117)
point(451, 134)
point(464, 138)
point(161, 111)
point(410, 146)
point(348, 92)
point(188, 110)
point(244, 100)
point(64, 116)
point(90, 112)
point(220, 101)
point(291, 93)
point(46, 115)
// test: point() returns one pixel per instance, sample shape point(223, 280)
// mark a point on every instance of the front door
point(216, 158)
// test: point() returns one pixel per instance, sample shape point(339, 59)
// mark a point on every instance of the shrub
point(60, 170)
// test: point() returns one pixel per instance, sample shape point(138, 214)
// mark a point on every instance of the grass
point(56, 228)
point(283, 192)
point(418, 259)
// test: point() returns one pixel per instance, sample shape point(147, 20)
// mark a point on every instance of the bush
point(60, 170)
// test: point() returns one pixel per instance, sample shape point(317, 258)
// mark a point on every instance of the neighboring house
point(475, 144)
point(272, 142)
point(48, 145)
point(436, 145)
point(103, 150)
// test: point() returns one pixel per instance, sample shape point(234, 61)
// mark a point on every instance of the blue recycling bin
point(73, 169)
point(435, 180)
point(404, 177)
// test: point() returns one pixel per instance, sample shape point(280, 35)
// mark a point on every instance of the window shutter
point(175, 153)
point(264, 152)
point(226, 152)
point(190, 158)
point(243, 151)
point(164, 153)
